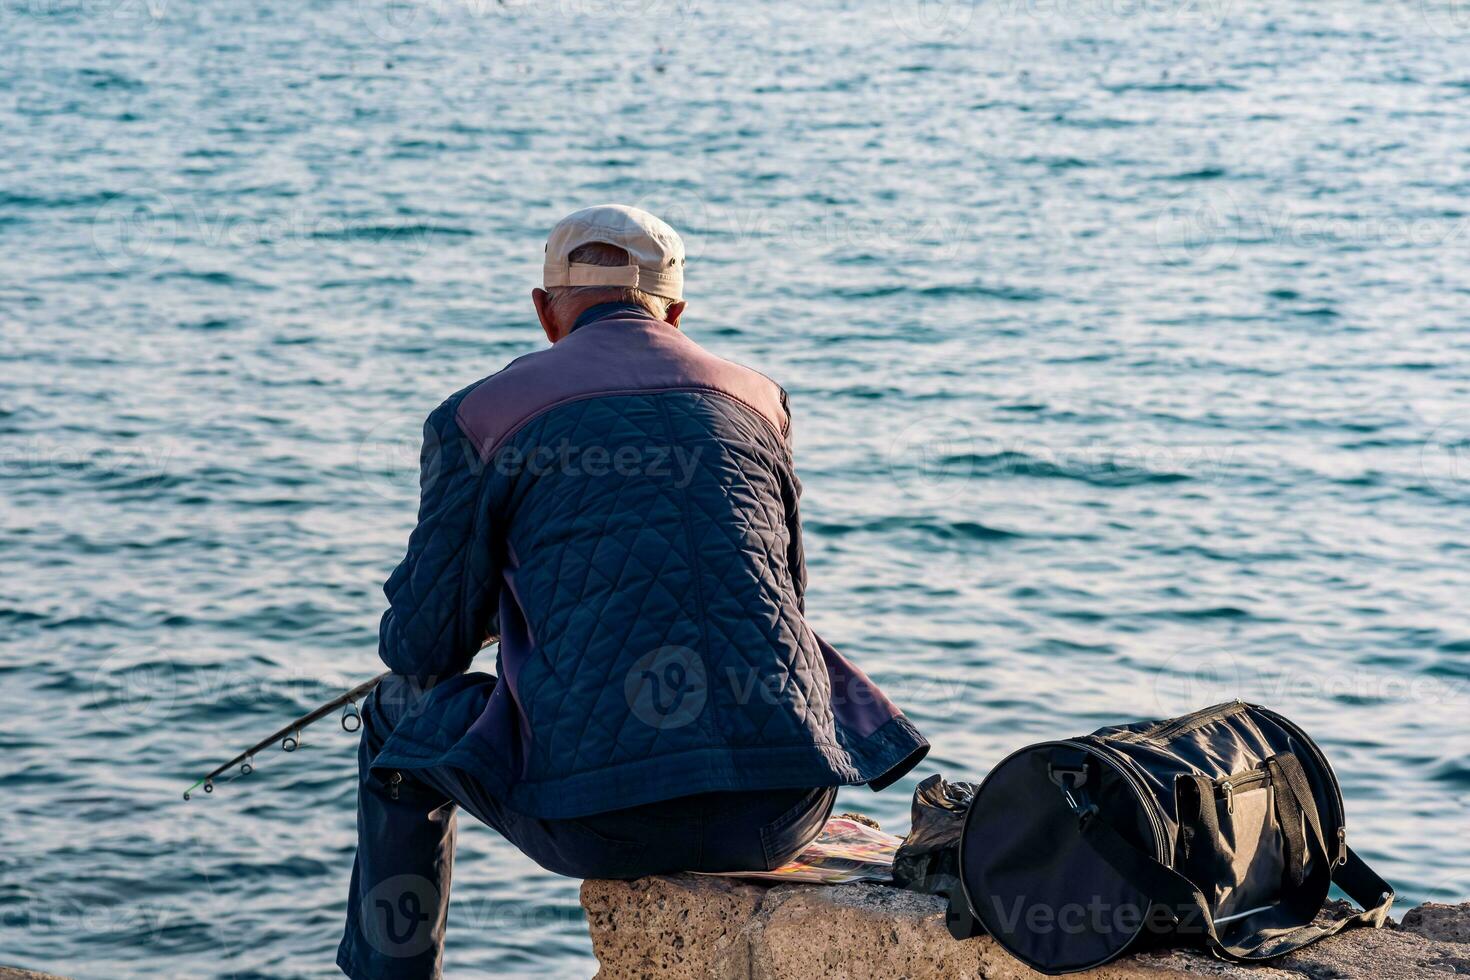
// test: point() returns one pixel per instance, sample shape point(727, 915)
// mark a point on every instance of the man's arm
point(443, 597)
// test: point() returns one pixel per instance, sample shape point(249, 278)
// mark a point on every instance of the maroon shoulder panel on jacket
point(618, 355)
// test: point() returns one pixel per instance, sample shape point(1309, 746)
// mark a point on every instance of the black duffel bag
point(1223, 827)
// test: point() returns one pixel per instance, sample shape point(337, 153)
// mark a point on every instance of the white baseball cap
point(655, 251)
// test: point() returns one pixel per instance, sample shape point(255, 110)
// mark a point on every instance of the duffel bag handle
point(1167, 887)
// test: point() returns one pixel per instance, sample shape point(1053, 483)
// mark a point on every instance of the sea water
point(1126, 342)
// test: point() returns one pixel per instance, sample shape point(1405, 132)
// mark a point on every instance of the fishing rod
point(290, 736)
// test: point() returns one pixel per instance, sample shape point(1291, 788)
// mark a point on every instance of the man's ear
point(542, 299)
point(676, 310)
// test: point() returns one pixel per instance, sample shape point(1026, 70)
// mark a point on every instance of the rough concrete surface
point(695, 927)
point(687, 926)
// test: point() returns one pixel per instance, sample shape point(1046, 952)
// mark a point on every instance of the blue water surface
point(1127, 344)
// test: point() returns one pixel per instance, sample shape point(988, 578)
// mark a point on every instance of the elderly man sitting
point(620, 510)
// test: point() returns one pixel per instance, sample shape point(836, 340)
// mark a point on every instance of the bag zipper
point(1184, 723)
point(1240, 782)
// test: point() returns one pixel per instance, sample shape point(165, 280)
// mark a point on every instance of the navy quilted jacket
point(621, 510)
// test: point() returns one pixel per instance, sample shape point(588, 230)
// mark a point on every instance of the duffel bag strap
point(1188, 905)
point(1297, 808)
point(1363, 885)
point(1162, 884)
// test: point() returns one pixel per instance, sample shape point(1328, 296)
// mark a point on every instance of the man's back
point(640, 547)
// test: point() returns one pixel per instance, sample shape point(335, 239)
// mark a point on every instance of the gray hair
point(567, 301)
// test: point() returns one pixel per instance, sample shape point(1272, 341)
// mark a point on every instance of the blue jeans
point(399, 898)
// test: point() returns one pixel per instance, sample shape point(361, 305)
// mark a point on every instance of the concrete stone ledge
point(688, 927)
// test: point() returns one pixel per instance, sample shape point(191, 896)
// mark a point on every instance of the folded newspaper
point(845, 850)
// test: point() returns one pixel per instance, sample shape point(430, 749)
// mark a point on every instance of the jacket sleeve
point(443, 597)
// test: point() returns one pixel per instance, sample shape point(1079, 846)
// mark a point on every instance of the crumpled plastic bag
point(928, 858)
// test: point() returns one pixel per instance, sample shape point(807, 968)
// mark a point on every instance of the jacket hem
point(878, 760)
